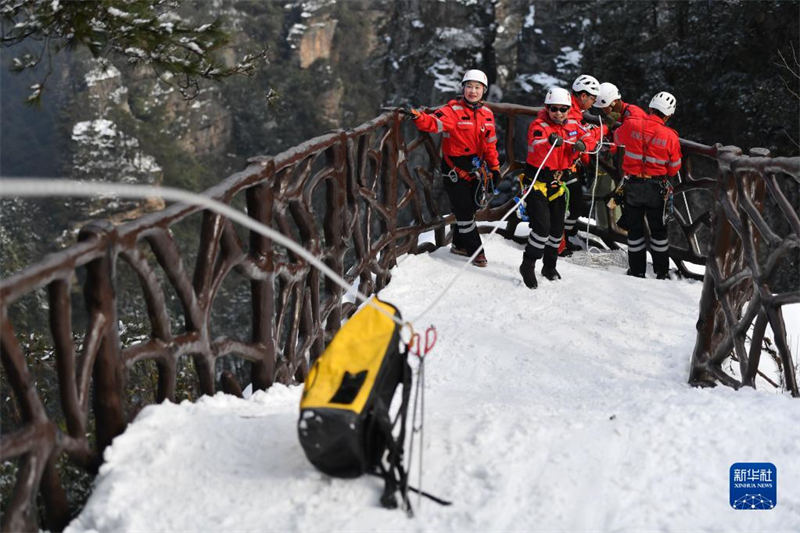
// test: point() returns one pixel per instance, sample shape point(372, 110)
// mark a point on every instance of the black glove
point(555, 139)
point(406, 111)
point(496, 176)
point(580, 146)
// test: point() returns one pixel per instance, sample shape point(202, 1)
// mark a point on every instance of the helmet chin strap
point(472, 105)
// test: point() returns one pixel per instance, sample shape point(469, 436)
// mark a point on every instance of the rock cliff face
point(316, 40)
point(362, 54)
point(334, 64)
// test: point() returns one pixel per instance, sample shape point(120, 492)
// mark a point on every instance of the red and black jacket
point(562, 157)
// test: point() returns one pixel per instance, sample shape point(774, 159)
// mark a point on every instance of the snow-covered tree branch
point(140, 32)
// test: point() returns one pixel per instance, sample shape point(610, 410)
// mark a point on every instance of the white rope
point(589, 251)
point(480, 248)
point(62, 187)
point(689, 215)
point(594, 187)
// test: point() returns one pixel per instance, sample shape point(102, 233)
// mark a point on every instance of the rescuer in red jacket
point(584, 94)
point(610, 103)
point(469, 140)
point(652, 155)
point(546, 203)
point(615, 112)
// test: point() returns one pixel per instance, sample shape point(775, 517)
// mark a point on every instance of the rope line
point(689, 215)
point(596, 251)
point(480, 248)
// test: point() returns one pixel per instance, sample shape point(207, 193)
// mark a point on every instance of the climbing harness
point(457, 172)
point(486, 186)
point(668, 210)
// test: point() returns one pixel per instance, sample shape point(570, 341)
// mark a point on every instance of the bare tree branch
point(793, 70)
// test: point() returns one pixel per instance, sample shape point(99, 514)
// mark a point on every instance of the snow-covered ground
point(560, 409)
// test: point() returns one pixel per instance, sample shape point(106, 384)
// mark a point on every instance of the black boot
point(550, 273)
point(528, 271)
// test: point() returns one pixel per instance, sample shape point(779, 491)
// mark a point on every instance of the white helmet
point(475, 75)
point(587, 83)
point(607, 94)
point(664, 102)
point(558, 96)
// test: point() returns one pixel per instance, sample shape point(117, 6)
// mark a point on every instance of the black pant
point(462, 199)
point(546, 220)
point(644, 198)
point(575, 207)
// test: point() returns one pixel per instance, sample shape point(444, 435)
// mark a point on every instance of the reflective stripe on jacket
point(651, 147)
point(466, 130)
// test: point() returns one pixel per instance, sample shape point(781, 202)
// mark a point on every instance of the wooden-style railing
point(746, 251)
point(357, 199)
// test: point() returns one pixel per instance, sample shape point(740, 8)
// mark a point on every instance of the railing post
point(260, 203)
point(108, 372)
point(335, 225)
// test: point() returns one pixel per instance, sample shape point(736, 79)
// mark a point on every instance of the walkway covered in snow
point(560, 409)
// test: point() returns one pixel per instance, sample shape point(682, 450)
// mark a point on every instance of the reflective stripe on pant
point(546, 220)
point(575, 207)
point(637, 243)
point(462, 200)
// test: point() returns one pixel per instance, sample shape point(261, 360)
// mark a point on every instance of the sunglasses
point(558, 109)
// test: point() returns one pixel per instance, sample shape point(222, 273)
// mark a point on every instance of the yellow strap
point(561, 190)
point(542, 188)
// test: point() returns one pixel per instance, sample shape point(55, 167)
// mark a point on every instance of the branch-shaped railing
point(738, 290)
point(357, 199)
